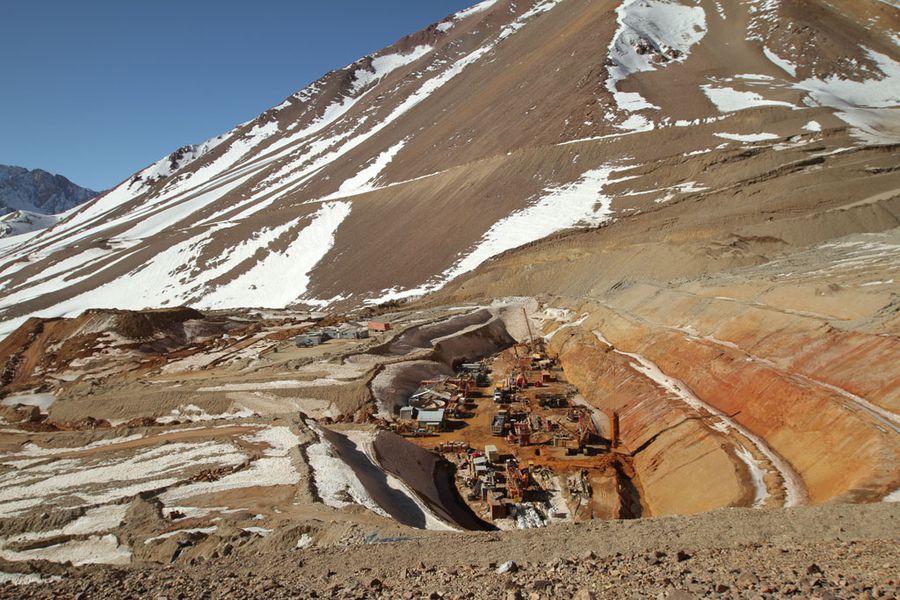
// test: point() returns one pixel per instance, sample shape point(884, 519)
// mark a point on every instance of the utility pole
point(528, 324)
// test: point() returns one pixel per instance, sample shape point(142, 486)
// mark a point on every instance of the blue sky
point(97, 89)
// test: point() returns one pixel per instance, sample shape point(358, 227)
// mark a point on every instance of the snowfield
point(274, 468)
point(263, 285)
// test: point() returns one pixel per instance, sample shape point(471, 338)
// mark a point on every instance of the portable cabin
point(310, 339)
point(497, 507)
point(351, 333)
point(490, 451)
point(432, 420)
point(379, 326)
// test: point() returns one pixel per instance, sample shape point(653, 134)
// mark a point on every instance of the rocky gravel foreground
point(823, 552)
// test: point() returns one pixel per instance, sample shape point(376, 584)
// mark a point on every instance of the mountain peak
point(38, 191)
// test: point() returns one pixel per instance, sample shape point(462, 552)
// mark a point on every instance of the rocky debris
point(84, 424)
point(507, 567)
point(843, 570)
point(21, 414)
point(733, 553)
point(141, 422)
point(31, 419)
point(217, 473)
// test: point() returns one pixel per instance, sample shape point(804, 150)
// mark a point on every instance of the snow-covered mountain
point(23, 221)
point(38, 191)
point(496, 127)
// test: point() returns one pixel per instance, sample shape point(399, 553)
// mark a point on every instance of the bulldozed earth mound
point(430, 477)
point(64, 346)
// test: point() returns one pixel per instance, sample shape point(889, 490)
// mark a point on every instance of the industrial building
point(379, 326)
point(432, 420)
point(344, 331)
point(310, 339)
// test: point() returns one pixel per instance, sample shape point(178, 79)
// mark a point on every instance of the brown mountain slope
point(402, 171)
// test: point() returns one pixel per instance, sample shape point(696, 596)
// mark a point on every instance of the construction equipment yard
point(239, 437)
point(527, 448)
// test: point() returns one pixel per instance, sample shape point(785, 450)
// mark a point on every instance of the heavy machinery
point(552, 401)
point(521, 433)
point(517, 480)
point(500, 423)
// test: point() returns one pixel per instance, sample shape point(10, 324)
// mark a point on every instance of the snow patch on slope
point(275, 280)
point(572, 205)
point(23, 221)
point(384, 65)
point(85, 481)
point(781, 63)
point(237, 150)
point(468, 12)
point(93, 550)
point(282, 277)
point(578, 204)
point(274, 468)
point(650, 33)
point(541, 7)
point(868, 105)
point(747, 137)
point(813, 126)
point(364, 181)
point(757, 475)
point(178, 160)
point(365, 441)
point(728, 99)
point(336, 483)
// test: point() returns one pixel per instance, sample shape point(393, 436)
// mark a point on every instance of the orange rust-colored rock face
point(835, 450)
point(716, 410)
point(683, 466)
